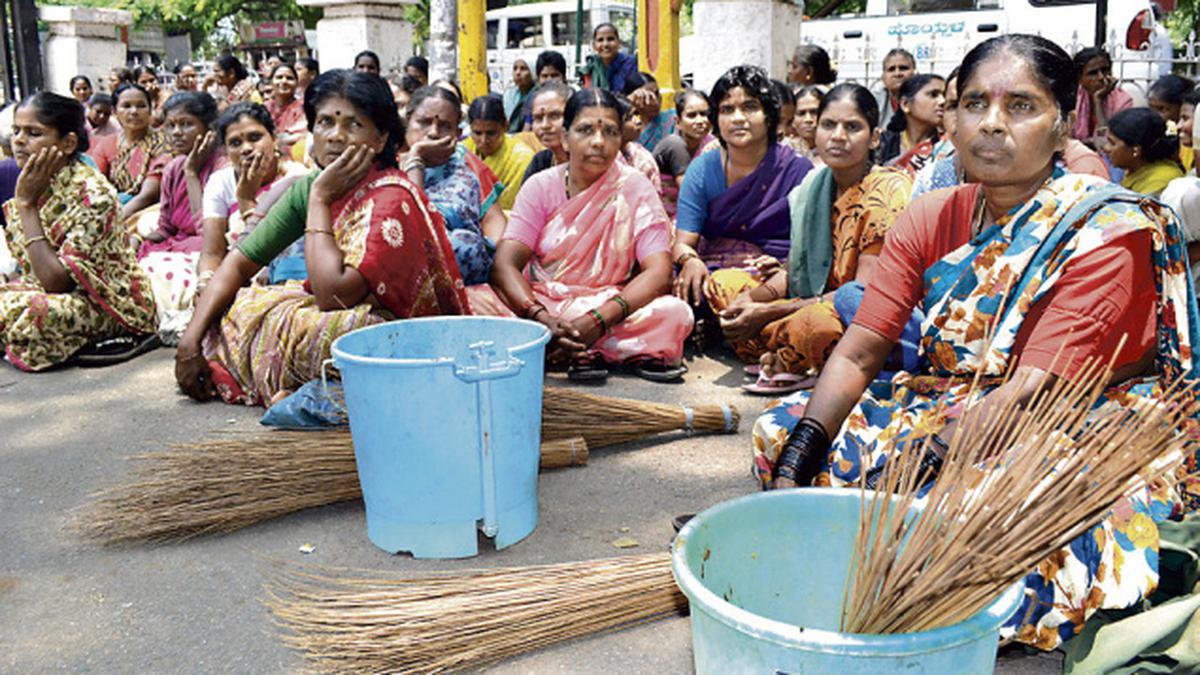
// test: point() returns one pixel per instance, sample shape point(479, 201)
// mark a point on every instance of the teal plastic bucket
point(446, 417)
point(765, 575)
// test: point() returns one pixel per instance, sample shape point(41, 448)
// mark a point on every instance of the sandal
point(779, 383)
point(657, 371)
point(116, 350)
point(587, 369)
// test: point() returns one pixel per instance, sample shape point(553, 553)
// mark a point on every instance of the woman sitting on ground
point(287, 111)
point(810, 67)
point(134, 159)
point(394, 263)
point(147, 78)
point(608, 67)
point(908, 140)
point(1165, 96)
point(587, 253)
point(804, 122)
point(78, 280)
point(1138, 144)
point(1098, 97)
point(506, 157)
point(1061, 269)
point(234, 81)
point(171, 253)
point(632, 152)
point(733, 202)
point(674, 154)
point(438, 165)
point(546, 106)
point(237, 197)
point(646, 99)
point(784, 315)
point(99, 116)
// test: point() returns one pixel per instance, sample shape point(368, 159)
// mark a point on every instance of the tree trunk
point(443, 40)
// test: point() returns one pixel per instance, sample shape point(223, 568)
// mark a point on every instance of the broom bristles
point(450, 621)
point(225, 484)
point(1018, 483)
point(222, 485)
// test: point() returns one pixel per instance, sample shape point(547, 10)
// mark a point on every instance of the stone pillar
point(443, 40)
point(82, 41)
point(756, 32)
point(350, 26)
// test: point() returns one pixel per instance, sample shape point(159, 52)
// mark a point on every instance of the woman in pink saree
point(587, 253)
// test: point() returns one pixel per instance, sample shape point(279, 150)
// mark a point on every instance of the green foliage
point(200, 17)
point(1185, 19)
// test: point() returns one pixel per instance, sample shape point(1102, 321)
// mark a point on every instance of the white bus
point(940, 32)
point(524, 31)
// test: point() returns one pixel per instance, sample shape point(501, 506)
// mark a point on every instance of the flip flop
point(656, 371)
point(752, 371)
point(116, 350)
point(779, 383)
point(587, 369)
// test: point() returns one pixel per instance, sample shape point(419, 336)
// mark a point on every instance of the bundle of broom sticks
point(1018, 483)
point(231, 482)
point(457, 621)
point(1014, 489)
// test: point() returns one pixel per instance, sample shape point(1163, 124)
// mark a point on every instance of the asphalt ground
point(195, 607)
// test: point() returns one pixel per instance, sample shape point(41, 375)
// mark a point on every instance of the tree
point(201, 17)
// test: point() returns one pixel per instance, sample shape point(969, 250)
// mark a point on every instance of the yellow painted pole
point(658, 45)
point(472, 48)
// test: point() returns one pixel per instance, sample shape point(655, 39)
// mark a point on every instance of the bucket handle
point(324, 379)
point(485, 368)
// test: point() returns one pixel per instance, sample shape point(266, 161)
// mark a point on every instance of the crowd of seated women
point(866, 254)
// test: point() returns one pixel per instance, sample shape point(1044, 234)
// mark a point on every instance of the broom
point(1017, 485)
point(459, 620)
point(219, 486)
point(427, 625)
point(229, 483)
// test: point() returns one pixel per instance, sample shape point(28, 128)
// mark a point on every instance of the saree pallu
point(1116, 101)
point(1002, 274)
point(178, 224)
point(828, 236)
point(80, 215)
point(660, 127)
point(274, 338)
point(128, 164)
point(751, 217)
point(455, 190)
point(289, 121)
point(586, 254)
point(642, 161)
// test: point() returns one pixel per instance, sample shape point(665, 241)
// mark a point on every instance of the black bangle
point(802, 455)
point(929, 467)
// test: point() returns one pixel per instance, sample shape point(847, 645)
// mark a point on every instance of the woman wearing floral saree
point(587, 254)
point(1059, 269)
point(134, 159)
point(376, 250)
point(733, 203)
point(78, 280)
point(786, 315)
point(171, 253)
point(442, 167)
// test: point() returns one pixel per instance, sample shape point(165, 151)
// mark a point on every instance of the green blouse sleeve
point(283, 224)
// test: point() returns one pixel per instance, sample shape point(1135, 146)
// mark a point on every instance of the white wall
point(81, 41)
point(348, 28)
point(756, 32)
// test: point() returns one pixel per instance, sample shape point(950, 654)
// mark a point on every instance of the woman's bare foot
point(280, 395)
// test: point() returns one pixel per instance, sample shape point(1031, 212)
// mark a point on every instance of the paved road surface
point(66, 605)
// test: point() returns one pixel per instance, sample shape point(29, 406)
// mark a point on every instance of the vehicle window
point(562, 28)
point(925, 6)
point(1051, 3)
point(493, 30)
point(623, 20)
point(525, 32)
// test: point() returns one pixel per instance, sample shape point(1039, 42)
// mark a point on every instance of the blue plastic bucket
point(446, 417)
point(765, 576)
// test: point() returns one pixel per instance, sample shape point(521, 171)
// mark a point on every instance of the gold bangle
point(317, 230)
point(681, 260)
point(197, 355)
point(40, 237)
point(247, 215)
